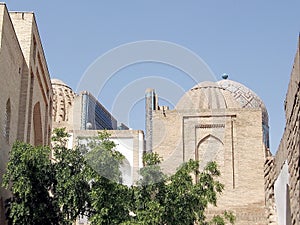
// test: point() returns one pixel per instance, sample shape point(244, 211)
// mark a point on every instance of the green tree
point(87, 181)
point(178, 199)
point(71, 184)
point(109, 199)
point(100, 154)
point(44, 192)
point(29, 177)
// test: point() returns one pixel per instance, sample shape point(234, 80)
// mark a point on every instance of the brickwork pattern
point(209, 127)
point(25, 83)
point(63, 97)
point(288, 151)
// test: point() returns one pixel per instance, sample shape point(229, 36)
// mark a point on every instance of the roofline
point(27, 12)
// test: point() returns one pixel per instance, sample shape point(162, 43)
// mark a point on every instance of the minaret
point(151, 104)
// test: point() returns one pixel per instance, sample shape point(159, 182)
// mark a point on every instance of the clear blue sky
point(253, 41)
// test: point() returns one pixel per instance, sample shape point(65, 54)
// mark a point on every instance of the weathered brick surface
point(18, 67)
point(63, 101)
point(233, 137)
point(38, 86)
point(11, 59)
point(288, 151)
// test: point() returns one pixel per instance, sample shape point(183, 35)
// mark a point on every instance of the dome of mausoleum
point(224, 94)
point(245, 97)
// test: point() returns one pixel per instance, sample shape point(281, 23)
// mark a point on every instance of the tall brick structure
point(282, 171)
point(151, 104)
point(225, 122)
point(26, 93)
point(228, 123)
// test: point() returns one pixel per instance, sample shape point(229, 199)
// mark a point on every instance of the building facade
point(26, 93)
point(220, 121)
point(228, 123)
point(94, 114)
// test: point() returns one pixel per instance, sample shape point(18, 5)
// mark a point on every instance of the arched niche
point(37, 125)
point(126, 171)
point(210, 148)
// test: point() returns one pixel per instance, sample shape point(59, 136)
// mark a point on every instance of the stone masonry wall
point(231, 137)
point(288, 151)
point(11, 72)
point(291, 139)
point(21, 60)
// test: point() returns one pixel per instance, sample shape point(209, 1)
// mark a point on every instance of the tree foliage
point(30, 177)
point(180, 198)
point(87, 181)
point(44, 192)
point(100, 154)
point(71, 184)
point(109, 199)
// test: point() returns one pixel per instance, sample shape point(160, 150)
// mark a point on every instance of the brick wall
point(288, 151)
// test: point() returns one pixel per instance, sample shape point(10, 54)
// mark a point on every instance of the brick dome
point(224, 94)
point(63, 97)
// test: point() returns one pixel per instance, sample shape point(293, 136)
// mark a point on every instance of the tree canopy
point(86, 181)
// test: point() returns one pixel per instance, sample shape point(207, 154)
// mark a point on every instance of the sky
point(254, 42)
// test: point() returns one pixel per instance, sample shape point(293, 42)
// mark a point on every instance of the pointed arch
point(207, 137)
point(209, 148)
point(126, 171)
point(37, 125)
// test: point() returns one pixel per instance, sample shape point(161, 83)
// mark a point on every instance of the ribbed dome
point(58, 82)
point(224, 94)
point(63, 97)
point(207, 95)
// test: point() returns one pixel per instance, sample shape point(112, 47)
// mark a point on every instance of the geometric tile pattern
point(245, 97)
